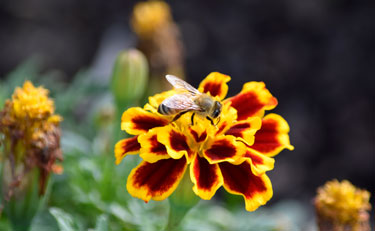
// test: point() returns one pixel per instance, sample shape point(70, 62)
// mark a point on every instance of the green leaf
point(64, 220)
point(44, 221)
point(102, 223)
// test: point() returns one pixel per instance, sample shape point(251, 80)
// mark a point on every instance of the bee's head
point(216, 110)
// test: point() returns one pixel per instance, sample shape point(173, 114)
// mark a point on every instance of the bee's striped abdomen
point(164, 110)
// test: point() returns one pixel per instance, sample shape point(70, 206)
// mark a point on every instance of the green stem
point(176, 215)
point(24, 205)
point(119, 134)
point(180, 202)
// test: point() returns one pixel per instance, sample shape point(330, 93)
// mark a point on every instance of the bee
point(189, 99)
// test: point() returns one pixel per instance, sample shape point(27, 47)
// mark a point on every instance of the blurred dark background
point(316, 57)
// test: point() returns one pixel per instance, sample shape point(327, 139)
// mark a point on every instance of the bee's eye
point(217, 110)
point(216, 113)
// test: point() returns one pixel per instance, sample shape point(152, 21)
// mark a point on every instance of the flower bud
point(129, 77)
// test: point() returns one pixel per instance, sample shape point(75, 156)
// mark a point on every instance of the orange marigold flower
point(235, 153)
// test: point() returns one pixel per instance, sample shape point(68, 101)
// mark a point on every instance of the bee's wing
point(182, 101)
point(181, 84)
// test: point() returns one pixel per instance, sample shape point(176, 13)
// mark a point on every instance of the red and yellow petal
point(273, 136)
point(215, 84)
point(157, 180)
point(244, 130)
point(224, 148)
point(253, 100)
point(151, 149)
point(206, 177)
point(228, 117)
point(176, 142)
point(125, 147)
point(197, 135)
point(136, 121)
point(240, 180)
point(198, 132)
point(259, 163)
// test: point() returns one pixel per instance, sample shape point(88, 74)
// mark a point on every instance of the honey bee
point(189, 99)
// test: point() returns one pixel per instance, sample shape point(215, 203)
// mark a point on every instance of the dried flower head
point(235, 153)
point(342, 203)
point(31, 133)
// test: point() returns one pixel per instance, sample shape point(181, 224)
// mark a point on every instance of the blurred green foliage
point(91, 193)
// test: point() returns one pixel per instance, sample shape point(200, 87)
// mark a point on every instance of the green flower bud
point(129, 77)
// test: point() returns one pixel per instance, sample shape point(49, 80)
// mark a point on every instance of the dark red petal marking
point(159, 176)
point(157, 147)
point(147, 122)
point(239, 178)
point(178, 141)
point(254, 158)
point(269, 125)
point(221, 128)
point(198, 138)
point(204, 173)
point(131, 145)
point(237, 129)
point(266, 138)
point(221, 149)
point(247, 104)
point(213, 87)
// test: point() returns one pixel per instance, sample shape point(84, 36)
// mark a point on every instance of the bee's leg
point(218, 121)
point(212, 122)
point(192, 119)
point(178, 116)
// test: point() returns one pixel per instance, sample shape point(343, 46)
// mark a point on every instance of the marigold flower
point(31, 131)
point(341, 204)
point(235, 153)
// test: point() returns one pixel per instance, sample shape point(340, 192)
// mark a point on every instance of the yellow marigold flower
point(342, 203)
point(235, 153)
point(150, 16)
